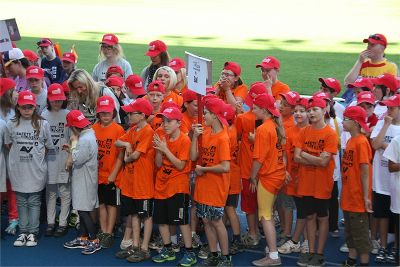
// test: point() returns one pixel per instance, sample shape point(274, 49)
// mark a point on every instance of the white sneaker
point(31, 240)
point(21, 240)
point(125, 244)
point(344, 248)
point(289, 247)
point(375, 246)
point(304, 247)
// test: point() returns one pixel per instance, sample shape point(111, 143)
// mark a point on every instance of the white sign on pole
point(5, 40)
point(199, 73)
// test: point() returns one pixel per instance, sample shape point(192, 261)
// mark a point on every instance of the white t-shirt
point(380, 111)
point(3, 129)
point(337, 171)
point(100, 70)
point(380, 177)
point(339, 110)
point(392, 153)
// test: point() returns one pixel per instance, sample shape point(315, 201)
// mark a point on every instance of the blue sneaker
point(189, 259)
point(166, 254)
point(92, 247)
point(76, 243)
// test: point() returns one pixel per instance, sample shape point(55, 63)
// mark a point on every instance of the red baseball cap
point(217, 107)
point(266, 101)
point(393, 101)
point(302, 102)
point(176, 64)
point(75, 118)
point(365, 97)
point(55, 92)
point(6, 84)
point(114, 81)
point(269, 62)
point(155, 48)
point(291, 97)
point(230, 112)
point(322, 95)
point(105, 103)
point(139, 105)
point(359, 115)
point(376, 38)
point(171, 113)
point(30, 55)
point(70, 57)
point(26, 98)
point(109, 39)
point(34, 72)
point(332, 83)
point(210, 91)
point(256, 88)
point(316, 102)
point(168, 104)
point(234, 67)
point(135, 84)
point(362, 82)
point(189, 96)
point(387, 80)
point(44, 42)
point(156, 86)
point(114, 69)
point(66, 87)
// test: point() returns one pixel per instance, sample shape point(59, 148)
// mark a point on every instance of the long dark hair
point(6, 103)
point(36, 119)
point(64, 104)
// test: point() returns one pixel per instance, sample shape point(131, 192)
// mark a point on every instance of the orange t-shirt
point(245, 124)
point(358, 151)
point(292, 134)
point(107, 151)
point(235, 179)
point(269, 153)
point(186, 122)
point(182, 91)
point(279, 88)
point(212, 188)
point(155, 122)
point(313, 180)
point(169, 180)
point(174, 97)
point(137, 178)
point(288, 122)
point(239, 91)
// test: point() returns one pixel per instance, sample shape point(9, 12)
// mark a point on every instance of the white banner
point(199, 73)
point(5, 40)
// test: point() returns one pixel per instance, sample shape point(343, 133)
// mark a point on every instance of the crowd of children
point(122, 149)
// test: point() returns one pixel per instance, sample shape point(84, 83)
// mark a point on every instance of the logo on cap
point(28, 97)
point(34, 71)
point(56, 92)
point(152, 47)
point(104, 102)
point(138, 84)
point(172, 63)
point(107, 37)
point(358, 80)
point(168, 110)
point(266, 60)
point(331, 79)
point(291, 94)
point(81, 117)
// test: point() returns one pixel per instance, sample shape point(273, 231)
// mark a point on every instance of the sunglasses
point(107, 46)
point(43, 42)
point(375, 37)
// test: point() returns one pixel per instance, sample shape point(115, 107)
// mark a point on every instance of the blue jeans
point(28, 205)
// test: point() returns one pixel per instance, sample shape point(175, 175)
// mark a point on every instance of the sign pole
point(199, 121)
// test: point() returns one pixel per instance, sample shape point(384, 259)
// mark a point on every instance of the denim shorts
point(209, 212)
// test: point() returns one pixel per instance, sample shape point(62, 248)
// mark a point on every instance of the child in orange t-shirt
point(155, 94)
point(212, 181)
point(268, 170)
point(171, 194)
point(235, 186)
point(137, 182)
point(356, 194)
point(107, 133)
point(290, 189)
point(314, 150)
point(189, 110)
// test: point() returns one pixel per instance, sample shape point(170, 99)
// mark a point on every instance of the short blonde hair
point(92, 87)
point(172, 77)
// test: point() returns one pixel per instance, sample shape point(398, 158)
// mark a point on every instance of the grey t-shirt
point(100, 70)
point(3, 129)
point(84, 179)
point(41, 101)
point(56, 157)
point(27, 165)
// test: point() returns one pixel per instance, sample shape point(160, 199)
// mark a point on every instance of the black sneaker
point(211, 260)
point(382, 255)
point(317, 260)
point(61, 231)
point(50, 230)
point(76, 243)
point(107, 240)
point(391, 256)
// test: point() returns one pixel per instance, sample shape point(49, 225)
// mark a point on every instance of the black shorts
point(314, 205)
point(381, 205)
point(300, 209)
point(173, 210)
point(232, 200)
point(109, 194)
point(141, 207)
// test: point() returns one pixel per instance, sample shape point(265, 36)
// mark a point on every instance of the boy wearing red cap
point(270, 68)
point(356, 192)
point(332, 87)
point(171, 193)
point(110, 158)
point(385, 86)
point(268, 170)
point(384, 131)
point(159, 57)
point(212, 181)
point(314, 151)
point(230, 86)
point(34, 76)
point(137, 181)
point(155, 95)
point(82, 159)
point(189, 110)
point(110, 53)
point(135, 89)
point(50, 63)
point(68, 61)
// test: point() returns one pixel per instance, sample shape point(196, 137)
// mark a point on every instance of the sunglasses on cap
point(43, 42)
point(375, 37)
